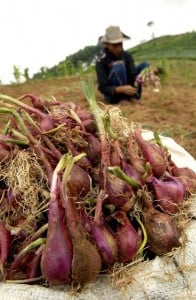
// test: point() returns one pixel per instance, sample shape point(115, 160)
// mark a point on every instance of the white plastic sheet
point(178, 154)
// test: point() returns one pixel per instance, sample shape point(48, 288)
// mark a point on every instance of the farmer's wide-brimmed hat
point(113, 35)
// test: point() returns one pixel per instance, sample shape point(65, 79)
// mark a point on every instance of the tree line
point(83, 61)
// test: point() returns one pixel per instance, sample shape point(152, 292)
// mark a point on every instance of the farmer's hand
point(125, 89)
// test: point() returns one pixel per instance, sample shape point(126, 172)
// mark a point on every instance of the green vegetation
point(158, 50)
point(81, 62)
point(182, 46)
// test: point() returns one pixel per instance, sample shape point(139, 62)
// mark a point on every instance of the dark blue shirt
point(103, 67)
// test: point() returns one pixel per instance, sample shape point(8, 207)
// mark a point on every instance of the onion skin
point(21, 227)
point(5, 243)
point(162, 232)
point(82, 114)
point(5, 153)
point(19, 266)
point(115, 159)
point(169, 193)
point(86, 263)
point(56, 261)
point(46, 123)
point(119, 192)
point(153, 154)
point(14, 201)
point(93, 150)
point(57, 255)
point(103, 237)
point(38, 102)
point(128, 240)
point(130, 171)
point(186, 176)
point(79, 182)
point(84, 162)
point(90, 126)
point(33, 268)
point(5, 238)
point(106, 243)
point(137, 161)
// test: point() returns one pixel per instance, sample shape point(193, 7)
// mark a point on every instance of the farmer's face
point(115, 49)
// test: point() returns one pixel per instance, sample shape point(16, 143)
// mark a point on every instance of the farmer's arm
point(125, 89)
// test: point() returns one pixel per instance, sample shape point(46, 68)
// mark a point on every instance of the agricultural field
point(171, 111)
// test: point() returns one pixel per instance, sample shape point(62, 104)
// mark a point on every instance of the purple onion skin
point(162, 232)
point(136, 161)
point(93, 150)
point(12, 199)
point(114, 158)
point(18, 267)
point(5, 243)
point(186, 176)
point(84, 162)
point(33, 268)
point(46, 123)
point(169, 193)
point(56, 261)
point(24, 226)
point(57, 255)
point(5, 153)
point(79, 182)
point(119, 192)
point(103, 237)
point(128, 240)
point(83, 114)
point(38, 102)
point(130, 171)
point(105, 242)
point(153, 154)
point(86, 117)
point(90, 125)
point(86, 261)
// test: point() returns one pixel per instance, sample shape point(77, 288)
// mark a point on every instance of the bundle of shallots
point(82, 191)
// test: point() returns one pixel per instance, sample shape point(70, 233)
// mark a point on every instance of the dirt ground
point(171, 111)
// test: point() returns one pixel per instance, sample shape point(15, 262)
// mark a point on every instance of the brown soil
point(171, 112)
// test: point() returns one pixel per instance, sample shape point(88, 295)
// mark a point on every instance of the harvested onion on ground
point(82, 191)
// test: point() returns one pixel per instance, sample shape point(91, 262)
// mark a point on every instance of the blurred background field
point(171, 111)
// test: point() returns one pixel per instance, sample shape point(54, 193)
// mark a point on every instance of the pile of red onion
point(77, 197)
